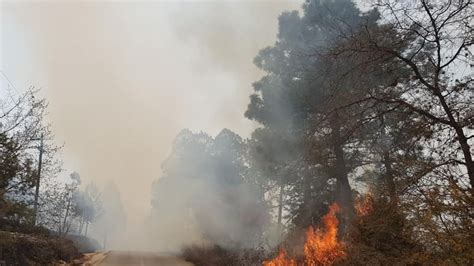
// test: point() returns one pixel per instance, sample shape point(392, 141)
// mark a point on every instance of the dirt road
point(136, 258)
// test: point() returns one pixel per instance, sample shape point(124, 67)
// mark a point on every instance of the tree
point(16, 178)
point(431, 41)
point(425, 47)
point(215, 202)
point(295, 99)
point(69, 197)
point(88, 207)
point(112, 219)
point(21, 125)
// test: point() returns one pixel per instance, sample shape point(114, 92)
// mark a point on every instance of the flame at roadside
point(322, 246)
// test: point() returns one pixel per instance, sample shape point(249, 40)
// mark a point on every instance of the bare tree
point(429, 45)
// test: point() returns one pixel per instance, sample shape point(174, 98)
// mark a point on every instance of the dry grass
point(215, 255)
point(33, 249)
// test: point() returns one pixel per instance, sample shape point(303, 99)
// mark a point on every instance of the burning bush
point(322, 246)
point(380, 235)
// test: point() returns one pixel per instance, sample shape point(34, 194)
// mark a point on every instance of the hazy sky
point(123, 78)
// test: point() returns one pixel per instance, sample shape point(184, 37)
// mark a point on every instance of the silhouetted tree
point(214, 199)
point(295, 100)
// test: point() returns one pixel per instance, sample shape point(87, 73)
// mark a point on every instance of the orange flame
point(280, 260)
point(363, 204)
point(321, 247)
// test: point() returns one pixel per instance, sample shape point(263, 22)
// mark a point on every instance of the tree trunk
point(466, 150)
point(81, 224)
point(280, 209)
point(343, 188)
point(462, 139)
point(389, 178)
point(308, 205)
point(67, 214)
point(68, 227)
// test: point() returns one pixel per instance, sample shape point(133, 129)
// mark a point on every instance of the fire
point(364, 204)
point(322, 246)
point(280, 260)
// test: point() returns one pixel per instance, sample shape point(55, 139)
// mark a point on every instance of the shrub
point(23, 249)
point(215, 255)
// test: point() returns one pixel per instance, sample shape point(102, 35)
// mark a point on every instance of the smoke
point(111, 221)
point(123, 79)
point(204, 195)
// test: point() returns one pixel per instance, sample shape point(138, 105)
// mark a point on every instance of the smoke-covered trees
point(66, 208)
point(22, 127)
point(382, 99)
point(431, 43)
point(16, 177)
point(425, 48)
point(204, 189)
point(350, 102)
point(27, 160)
point(111, 216)
point(88, 206)
point(295, 100)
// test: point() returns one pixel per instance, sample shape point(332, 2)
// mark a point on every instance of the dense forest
point(364, 146)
